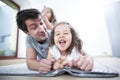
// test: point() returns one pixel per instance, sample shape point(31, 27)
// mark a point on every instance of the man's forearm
point(33, 64)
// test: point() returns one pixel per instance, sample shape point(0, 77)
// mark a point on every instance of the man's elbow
point(28, 62)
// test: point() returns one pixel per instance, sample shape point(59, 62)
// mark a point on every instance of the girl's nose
point(61, 35)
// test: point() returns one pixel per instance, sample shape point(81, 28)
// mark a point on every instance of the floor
point(11, 61)
point(112, 62)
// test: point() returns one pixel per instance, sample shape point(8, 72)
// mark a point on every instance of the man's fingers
point(45, 63)
point(75, 61)
point(84, 65)
point(52, 60)
point(89, 66)
point(80, 61)
point(43, 70)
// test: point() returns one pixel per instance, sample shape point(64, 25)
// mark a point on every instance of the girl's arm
point(50, 56)
point(45, 19)
point(56, 64)
point(47, 23)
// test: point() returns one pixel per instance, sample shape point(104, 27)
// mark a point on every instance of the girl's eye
point(66, 33)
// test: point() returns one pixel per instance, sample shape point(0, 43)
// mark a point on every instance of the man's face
point(36, 29)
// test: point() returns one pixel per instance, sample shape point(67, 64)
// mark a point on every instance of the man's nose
point(40, 28)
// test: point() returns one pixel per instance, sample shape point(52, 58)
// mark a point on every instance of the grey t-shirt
point(40, 48)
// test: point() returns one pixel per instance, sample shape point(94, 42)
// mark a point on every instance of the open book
point(79, 73)
point(22, 70)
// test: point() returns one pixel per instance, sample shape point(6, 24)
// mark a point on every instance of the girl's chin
point(62, 49)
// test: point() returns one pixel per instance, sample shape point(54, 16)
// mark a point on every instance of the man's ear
point(26, 32)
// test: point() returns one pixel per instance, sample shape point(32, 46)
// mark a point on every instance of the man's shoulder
point(29, 37)
point(49, 31)
point(30, 41)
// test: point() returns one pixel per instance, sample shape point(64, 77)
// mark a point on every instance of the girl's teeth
point(62, 42)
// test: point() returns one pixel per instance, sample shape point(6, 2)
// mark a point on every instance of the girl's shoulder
point(74, 54)
point(54, 51)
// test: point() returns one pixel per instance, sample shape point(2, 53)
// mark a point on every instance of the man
point(37, 41)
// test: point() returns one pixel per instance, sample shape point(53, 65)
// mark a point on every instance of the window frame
point(15, 6)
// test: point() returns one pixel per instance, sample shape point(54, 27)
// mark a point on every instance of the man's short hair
point(24, 15)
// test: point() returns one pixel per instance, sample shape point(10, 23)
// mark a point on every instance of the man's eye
point(41, 23)
point(33, 27)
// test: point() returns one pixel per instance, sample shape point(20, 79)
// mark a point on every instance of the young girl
point(48, 17)
point(65, 45)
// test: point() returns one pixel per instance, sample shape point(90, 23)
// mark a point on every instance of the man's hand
point(45, 65)
point(82, 62)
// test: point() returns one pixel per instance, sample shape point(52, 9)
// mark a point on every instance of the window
point(8, 29)
point(5, 38)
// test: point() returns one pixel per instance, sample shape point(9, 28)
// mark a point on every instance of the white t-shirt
point(56, 53)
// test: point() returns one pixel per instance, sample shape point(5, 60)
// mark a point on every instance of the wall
point(24, 4)
point(112, 12)
point(87, 17)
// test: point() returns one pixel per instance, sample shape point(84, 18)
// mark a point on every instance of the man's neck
point(41, 42)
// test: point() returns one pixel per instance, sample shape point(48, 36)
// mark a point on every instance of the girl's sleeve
point(54, 52)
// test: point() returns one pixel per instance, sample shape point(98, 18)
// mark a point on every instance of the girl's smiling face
point(62, 37)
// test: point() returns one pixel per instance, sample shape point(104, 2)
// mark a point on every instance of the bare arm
point(45, 19)
point(50, 56)
point(31, 58)
point(47, 23)
point(83, 62)
point(56, 64)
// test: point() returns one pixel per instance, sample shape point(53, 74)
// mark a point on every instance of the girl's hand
point(44, 11)
point(60, 63)
point(63, 60)
point(56, 65)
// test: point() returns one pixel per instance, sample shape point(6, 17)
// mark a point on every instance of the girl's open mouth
point(62, 42)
